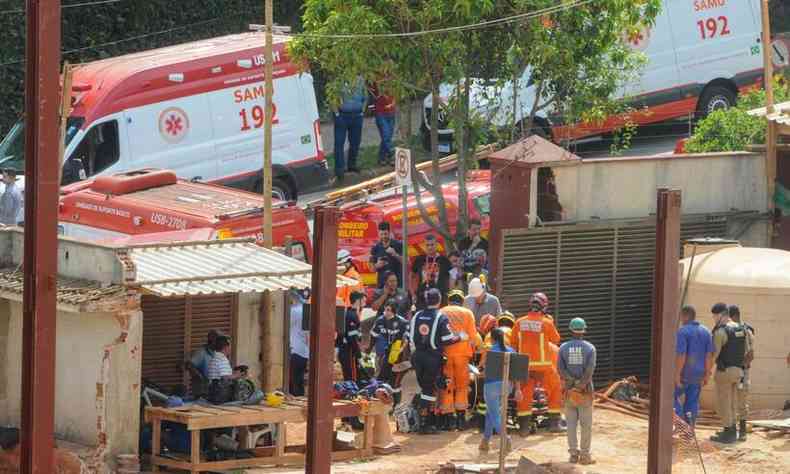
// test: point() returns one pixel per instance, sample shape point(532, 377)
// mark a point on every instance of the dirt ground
point(619, 446)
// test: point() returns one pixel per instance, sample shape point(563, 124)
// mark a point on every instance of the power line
point(71, 5)
point(125, 40)
point(452, 29)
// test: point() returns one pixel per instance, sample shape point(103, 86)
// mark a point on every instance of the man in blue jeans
point(384, 109)
point(694, 362)
point(348, 123)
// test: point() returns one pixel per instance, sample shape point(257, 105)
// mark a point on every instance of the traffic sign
point(403, 166)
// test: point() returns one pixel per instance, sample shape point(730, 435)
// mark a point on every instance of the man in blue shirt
point(694, 362)
point(576, 366)
point(348, 124)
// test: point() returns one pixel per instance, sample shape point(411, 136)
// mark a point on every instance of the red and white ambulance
point(196, 109)
point(154, 205)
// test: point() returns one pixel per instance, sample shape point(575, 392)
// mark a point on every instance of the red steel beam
point(42, 97)
point(320, 416)
point(666, 294)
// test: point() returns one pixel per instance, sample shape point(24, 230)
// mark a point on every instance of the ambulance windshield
point(12, 148)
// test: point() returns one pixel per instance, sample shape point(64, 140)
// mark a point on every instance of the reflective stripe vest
point(429, 331)
point(532, 335)
point(462, 320)
point(343, 296)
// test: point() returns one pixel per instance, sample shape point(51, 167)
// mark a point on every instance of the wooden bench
point(201, 417)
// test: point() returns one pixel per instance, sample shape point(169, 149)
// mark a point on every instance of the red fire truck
point(358, 226)
point(152, 204)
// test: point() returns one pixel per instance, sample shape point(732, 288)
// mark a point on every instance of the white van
point(197, 109)
point(700, 54)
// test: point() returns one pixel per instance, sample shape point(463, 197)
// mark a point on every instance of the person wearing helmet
point(576, 367)
point(346, 268)
point(533, 335)
point(454, 400)
point(429, 334)
point(480, 301)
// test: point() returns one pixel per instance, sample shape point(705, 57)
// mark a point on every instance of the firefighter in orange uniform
point(454, 400)
point(534, 335)
point(346, 268)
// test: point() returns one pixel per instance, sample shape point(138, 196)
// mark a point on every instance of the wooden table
point(202, 417)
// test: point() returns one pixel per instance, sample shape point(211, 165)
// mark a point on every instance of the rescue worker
point(745, 384)
point(487, 324)
point(454, 400)
point(348, 349)
point(387, 339)
point(429, 333)
point(576, 365)
point(346, 268)
point(731, 345)
point(533, 335)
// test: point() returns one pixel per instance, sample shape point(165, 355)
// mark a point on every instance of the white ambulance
point(700, 54)
point(195, 108)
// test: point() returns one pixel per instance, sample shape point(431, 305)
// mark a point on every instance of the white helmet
point(476, 288)
point(343, 256)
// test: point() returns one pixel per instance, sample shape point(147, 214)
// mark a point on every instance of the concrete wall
point(269, 357)
point(618, 188)
point(98, 373)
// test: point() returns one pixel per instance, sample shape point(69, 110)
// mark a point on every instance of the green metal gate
point(601, 272)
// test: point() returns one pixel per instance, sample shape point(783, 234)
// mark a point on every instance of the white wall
point(248, 348)
point(617, 188)
point(98, 369)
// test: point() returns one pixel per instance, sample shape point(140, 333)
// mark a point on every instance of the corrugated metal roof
point(71, 291)
point(230, 266)
point(780, 115)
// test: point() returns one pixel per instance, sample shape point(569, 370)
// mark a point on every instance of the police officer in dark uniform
point(429, 333)
point(731, 345)
point(348, 350)
point(387, 339)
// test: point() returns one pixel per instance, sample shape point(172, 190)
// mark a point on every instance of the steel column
point(666, 288)
point(42, 97)
point(320, 417)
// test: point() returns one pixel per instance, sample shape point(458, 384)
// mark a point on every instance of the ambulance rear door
point(176, 134)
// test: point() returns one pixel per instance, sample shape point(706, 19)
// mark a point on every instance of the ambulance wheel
point(715, 97)
point(280, 189)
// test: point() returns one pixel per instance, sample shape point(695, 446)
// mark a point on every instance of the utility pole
point(65, 111)
point(42, 86)
point(267, 130)
point(770, 136)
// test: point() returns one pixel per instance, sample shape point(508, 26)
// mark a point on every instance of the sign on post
point(402, 166)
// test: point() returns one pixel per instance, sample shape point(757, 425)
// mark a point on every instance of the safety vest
point(343, 296)
point(733, 353)
point(532, 335)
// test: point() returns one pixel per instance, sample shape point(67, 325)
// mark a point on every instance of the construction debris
point(629, 397)
point(773, 425)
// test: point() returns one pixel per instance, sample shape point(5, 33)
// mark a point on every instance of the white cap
point(476, 288)
point(343, 256)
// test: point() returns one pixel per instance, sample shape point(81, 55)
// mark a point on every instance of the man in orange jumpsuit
point(346, 268)
point(454, 400)
point(534, 335)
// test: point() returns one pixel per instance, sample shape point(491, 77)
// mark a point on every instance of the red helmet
point(541, 299)
point(487, 323)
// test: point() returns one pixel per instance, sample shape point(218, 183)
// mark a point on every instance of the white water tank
point(758, 281)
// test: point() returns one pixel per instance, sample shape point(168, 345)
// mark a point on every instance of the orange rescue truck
point(149, 202)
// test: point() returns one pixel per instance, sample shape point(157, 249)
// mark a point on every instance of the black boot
point(428, 425)
point(460, 421)
point(524, 423)
point(396, 398)
point(728, 436)
point(446, 422)
point(481, 422)
point(742, 431)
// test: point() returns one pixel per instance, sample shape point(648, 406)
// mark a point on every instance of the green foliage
point(734, 129)
point(88, 30)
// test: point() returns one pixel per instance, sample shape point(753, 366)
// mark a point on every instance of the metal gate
point(600, 272)
point(174, 327)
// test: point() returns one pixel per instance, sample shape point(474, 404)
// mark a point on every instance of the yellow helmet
point(506, 316)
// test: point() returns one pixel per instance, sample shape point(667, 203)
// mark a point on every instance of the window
point(483, 204)
point(12, 148)
point(98, 150)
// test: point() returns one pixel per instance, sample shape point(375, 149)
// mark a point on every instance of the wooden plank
point(156, 440)
point(245, 419)
point(367, 437)
point(282, 440)
point(195, 448)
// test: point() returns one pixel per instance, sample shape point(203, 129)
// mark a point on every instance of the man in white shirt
point(11, 201)
point(300, 346)
point(219, 366)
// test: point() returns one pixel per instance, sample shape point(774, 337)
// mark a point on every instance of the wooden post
point(320, 415)
point(65, 111)
point(666, 293)
point(267, 131)
point(770, 136)
point(266, 340)
point(503, 411)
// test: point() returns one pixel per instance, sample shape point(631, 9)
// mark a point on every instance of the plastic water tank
point(758, 281)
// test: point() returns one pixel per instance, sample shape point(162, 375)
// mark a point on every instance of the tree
point(576, 47)
point(734, 129)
